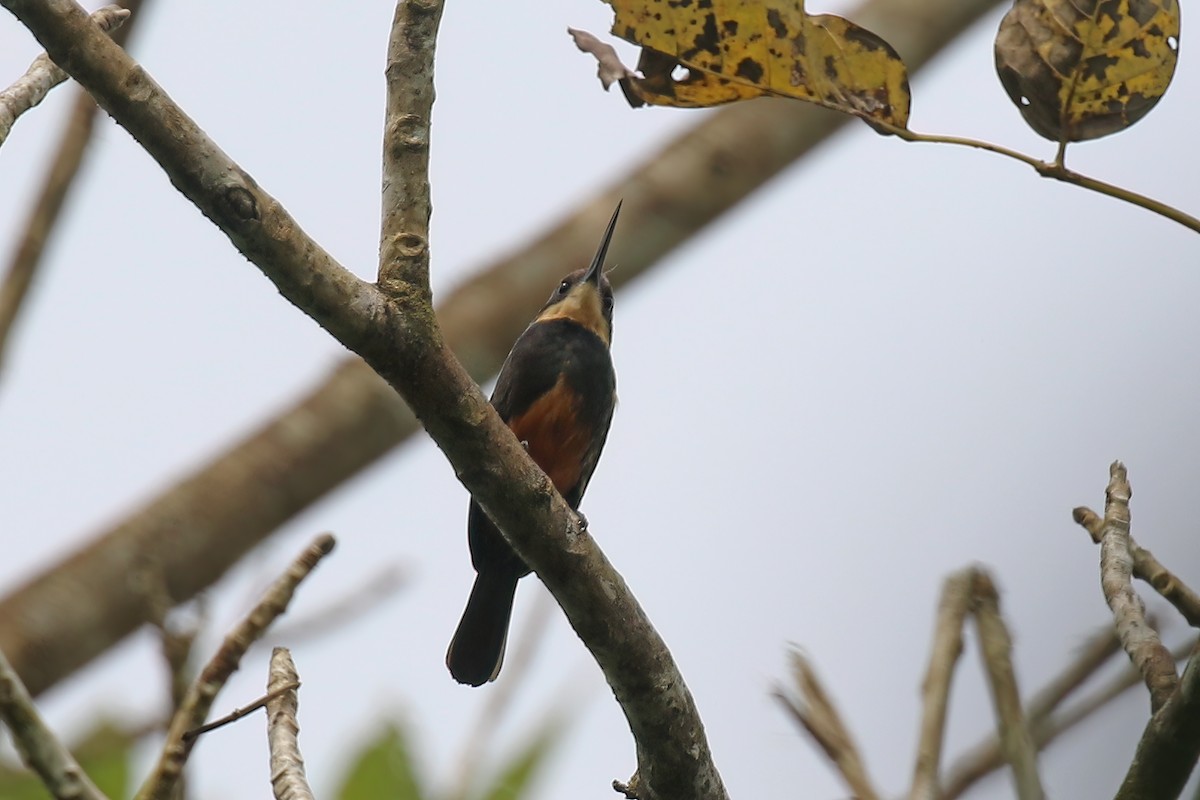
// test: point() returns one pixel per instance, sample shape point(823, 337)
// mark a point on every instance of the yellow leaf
point(738, 49)
point(1082, 69)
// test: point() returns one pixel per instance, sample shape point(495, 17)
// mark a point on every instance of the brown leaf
point(610, 69)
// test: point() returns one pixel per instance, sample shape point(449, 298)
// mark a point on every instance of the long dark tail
point(477, 649)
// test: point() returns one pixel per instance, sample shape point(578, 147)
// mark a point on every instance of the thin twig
point(40, 750)
point(44, 211)
point(283, 729)
point(612, 69)
point(43, 75)
point(1148, 568)
point(361, 599)
point(817, 715)
point(1095, 652)
point(1140, 641)
point(238, 713)
point(212, 678)
point(935, 690)
point(996, 647)
point(1056, 171)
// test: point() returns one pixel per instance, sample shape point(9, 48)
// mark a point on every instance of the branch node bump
point(241, 203)
point(410, 245)
point(410, 132)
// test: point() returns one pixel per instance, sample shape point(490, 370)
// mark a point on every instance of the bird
point(557, 392)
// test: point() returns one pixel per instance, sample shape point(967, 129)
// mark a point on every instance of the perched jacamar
point(556, 391)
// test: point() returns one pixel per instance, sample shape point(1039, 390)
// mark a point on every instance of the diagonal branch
point(399, 337)
point(197, 529)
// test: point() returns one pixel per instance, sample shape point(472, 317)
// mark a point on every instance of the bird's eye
point(563, 287)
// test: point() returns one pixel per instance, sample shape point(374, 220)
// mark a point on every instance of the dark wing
point(530, 371)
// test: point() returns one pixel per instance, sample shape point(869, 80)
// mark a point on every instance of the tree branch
point(40, 750)
point(43, 75)
point(404, 227)
point(1148, 568)
point(225, 661)
point(75, 610)
point(283, 729)
point(1140, 641)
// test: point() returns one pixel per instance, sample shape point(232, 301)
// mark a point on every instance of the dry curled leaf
point(699, 53)
point(609, 66)
point(1082, 69)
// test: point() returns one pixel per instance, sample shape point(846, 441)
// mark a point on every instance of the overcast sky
point(894, 361)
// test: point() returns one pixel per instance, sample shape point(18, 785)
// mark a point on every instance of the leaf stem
point(1055, 170)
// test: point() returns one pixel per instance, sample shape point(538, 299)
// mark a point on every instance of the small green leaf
point(384, 768)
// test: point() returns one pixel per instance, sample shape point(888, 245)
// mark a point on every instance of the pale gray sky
point(894, 361)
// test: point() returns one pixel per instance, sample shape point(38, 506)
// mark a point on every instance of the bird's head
point(585, 296)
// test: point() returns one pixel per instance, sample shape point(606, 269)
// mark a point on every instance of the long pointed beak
point(597, 269)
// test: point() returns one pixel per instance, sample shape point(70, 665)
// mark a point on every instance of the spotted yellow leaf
point(1082, 69)
point(738, 49)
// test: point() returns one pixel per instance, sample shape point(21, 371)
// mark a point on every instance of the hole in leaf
point(1024, 100)
point(680, 73)
point(1173, 43)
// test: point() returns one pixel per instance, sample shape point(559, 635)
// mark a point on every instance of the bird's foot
point(583, 523)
